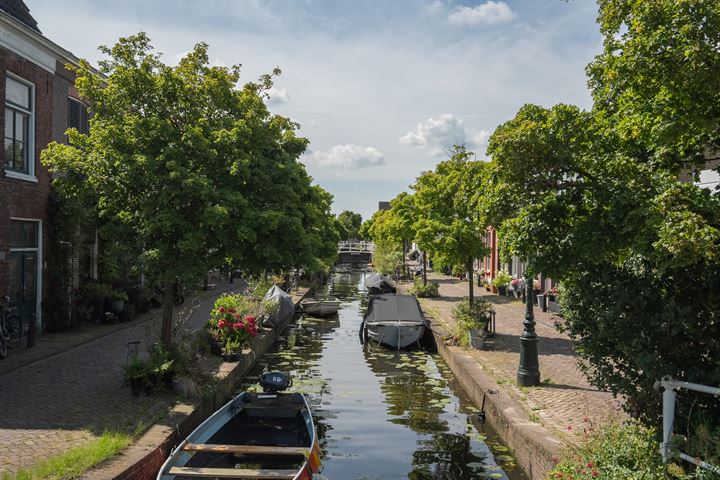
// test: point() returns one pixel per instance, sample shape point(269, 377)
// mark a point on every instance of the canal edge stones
point(533, 446)
point(143, 459)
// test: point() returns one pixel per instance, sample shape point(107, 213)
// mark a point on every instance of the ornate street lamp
point(528, 374)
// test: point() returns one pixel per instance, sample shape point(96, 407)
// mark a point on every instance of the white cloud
point(437, 134)
point(276, 95)
point(433, 7)
point(487, 13)
point(347, 157)
point(480, 139)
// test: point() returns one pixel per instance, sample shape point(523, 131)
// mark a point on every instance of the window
point(18, 126)
point(78, 116)
point(23, 234)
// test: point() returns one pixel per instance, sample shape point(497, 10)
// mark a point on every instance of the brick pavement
point(65, 399)
point(565, 403)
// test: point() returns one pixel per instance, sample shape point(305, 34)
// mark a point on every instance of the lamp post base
point(528, 375)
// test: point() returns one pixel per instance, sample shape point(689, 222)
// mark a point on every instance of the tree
point(449, 221)
point(197, 172)
point(350, 223)
point(593, 199)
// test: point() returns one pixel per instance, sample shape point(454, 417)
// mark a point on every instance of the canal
point(382, 414)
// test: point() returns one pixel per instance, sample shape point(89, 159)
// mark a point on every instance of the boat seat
point(247, 449)
point(237, 473)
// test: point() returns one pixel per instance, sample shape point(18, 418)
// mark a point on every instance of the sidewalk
point(565, 403)
point(70, 389)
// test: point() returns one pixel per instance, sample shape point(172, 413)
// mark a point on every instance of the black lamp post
point(528, 374)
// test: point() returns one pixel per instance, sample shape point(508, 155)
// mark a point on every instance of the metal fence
point(669, 396)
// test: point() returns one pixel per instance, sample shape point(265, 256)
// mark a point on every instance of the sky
point(381, 89)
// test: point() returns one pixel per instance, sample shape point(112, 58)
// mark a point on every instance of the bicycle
point(11, 328)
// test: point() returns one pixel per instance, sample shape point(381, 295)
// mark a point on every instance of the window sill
point(21, 176)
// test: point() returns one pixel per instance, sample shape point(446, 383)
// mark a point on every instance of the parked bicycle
point(11, 328)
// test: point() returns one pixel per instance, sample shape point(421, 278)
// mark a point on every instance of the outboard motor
point(273, 382)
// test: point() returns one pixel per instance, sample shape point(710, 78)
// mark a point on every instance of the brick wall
point(19, 198)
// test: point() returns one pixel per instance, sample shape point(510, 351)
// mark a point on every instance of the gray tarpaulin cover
point(380, 284)
point(393, 308)
point(287, 308)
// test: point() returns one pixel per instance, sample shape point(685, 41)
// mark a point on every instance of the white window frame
point(31, 175)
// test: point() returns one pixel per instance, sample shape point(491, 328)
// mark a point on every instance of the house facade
point(35, 88)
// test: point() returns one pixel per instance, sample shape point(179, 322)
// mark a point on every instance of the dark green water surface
point(382, 414)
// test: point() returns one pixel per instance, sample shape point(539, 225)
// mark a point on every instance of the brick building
point(38, 107)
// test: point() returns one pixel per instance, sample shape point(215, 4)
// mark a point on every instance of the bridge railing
point(349, 246)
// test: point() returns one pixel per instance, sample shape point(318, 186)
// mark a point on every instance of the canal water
point(382, 414)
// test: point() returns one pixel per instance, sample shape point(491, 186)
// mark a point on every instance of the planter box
point(477, 339)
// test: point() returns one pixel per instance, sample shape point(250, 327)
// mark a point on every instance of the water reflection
point(383, 414)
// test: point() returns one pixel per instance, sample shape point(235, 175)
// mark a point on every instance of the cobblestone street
point(55, 403)
point(565, 402)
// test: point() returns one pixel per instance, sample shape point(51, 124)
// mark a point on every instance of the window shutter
point(84, 124)
point(73, 114)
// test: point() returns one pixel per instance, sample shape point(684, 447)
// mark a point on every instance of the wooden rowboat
point(320, 307)
point(253, 436)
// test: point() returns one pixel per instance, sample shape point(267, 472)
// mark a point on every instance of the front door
point(23, 260)
point(23, 284)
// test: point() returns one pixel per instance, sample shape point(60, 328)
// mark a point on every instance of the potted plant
point(231, 350)
point(162, 365)
point(117, 301)
point(515, 284)
point(471, 322)
point(232, 324)
point(136, 374)
point(94, 294)
point(501, 281)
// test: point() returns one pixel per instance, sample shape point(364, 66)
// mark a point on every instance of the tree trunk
point(470, 282)
point(167, 319)
point(404, 250)
point(424, 254)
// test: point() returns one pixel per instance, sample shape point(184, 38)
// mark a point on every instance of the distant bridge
point(352, 251)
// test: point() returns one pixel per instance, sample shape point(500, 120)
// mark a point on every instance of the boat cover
point(287, 307)
point(378, 282)
point(393, 308)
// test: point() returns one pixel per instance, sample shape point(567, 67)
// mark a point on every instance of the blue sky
point(381, 88)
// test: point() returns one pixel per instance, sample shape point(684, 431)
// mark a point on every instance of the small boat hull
point(396, 336)
point(268, 435)
point(320, 308)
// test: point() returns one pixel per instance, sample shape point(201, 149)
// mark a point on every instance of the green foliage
point(387, 257)
point(349, 225)
point(657, 81)
point(194, 171)
point(502, 279)
point(419, 289)
point(449, 223)
point(77, 460)
point(93, 291)
point(614, 453)
point(468, 316)
point(136, 367)
point(116, 295)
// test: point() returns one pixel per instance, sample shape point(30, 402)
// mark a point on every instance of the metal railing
point(348, 246)
point(669, 396)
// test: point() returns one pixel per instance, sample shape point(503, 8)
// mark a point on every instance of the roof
point(18, 10)
point(395, 308)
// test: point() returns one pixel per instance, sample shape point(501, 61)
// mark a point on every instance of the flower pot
point(216, 347)
point(502, 290)
point(167, 380)
point(487, 287)
point(136, 386)
point(117, 306)
point(494, 289)
point(231, 357)
point(477, 339)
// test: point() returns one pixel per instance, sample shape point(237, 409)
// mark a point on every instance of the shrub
point(233, 319)
point(424, 291)
point(470, 318)
point(502, 279)
point(621, 452)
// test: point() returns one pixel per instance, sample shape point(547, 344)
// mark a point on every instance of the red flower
point(589, 465)
point(236, 316)
point(221, 309)
point(238, 325)
point(595, 473)
point(249, 318)
point(222, 324)
point(232, 310)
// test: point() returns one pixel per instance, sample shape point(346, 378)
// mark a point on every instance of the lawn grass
point(76, 461)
